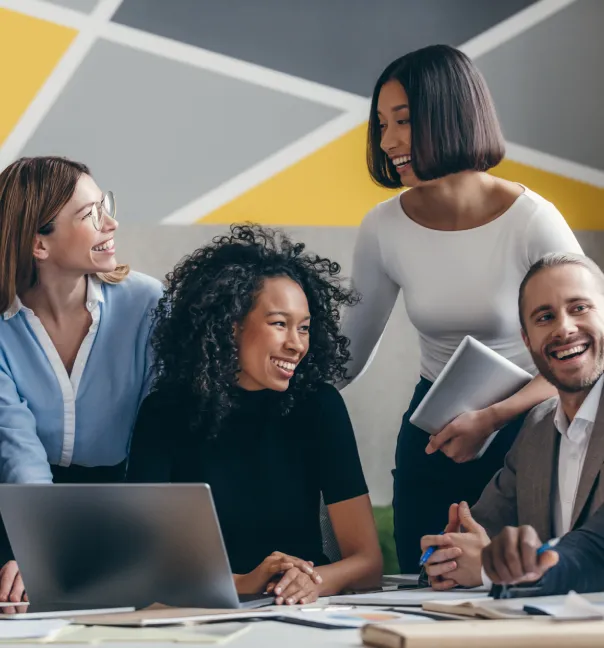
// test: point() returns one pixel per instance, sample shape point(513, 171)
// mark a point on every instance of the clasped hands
point(465, 548)
point(457, 558)
point(291, 579)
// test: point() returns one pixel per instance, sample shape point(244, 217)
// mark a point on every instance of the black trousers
point(70, 475)
point(426, 485)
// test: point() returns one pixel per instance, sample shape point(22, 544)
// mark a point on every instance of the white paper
point(30, 629)
point(356, 617)
point(573, 606)
point(410, 597)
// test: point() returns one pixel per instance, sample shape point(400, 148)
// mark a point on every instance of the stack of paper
point(571, 606)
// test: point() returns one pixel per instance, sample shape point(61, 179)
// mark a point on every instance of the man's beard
point(573, 386)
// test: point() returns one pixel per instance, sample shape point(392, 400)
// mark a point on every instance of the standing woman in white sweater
point(457, 244)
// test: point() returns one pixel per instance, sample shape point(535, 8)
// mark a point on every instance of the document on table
point(572, 606)
point(11, 630)
point(357, 617)
point(409, 598)
point(204, 634)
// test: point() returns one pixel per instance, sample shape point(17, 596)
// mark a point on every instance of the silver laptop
point(474, 378)
point(107, 546)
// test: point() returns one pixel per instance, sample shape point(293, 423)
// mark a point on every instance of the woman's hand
point(11, 583)
point(274, 565)
point(296, 586)
point(464, 437)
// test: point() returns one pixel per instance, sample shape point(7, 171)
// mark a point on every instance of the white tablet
point(474, 378)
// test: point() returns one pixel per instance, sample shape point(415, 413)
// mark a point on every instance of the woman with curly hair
point(247, 343)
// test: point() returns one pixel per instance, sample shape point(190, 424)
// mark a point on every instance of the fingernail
point(319, 579)
point(290, 601)
point(277, 590)
point(278, 600)
point(532, 575)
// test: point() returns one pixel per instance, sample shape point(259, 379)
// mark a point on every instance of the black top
point(266, 470)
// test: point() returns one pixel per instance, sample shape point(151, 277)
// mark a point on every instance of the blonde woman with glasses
point(74, 333)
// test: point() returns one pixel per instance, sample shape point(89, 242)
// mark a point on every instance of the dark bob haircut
point(212, 290)
point(454, 126)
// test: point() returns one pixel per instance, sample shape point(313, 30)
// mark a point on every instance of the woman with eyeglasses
point(75, 357)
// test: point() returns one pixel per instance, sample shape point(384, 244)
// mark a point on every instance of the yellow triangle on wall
point(33, 47)
point(581, 204)
point(331, 187)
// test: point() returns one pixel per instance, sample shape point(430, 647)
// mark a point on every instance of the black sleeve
point(150, 457)
point(338, 457)
point(581, 565)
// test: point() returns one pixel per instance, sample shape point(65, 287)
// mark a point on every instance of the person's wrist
point(244, 584)
point(494, 418)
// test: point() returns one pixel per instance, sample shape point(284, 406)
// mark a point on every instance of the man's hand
point(272, 567)
point(512, 557)
point(457, 561)
point(464, 437)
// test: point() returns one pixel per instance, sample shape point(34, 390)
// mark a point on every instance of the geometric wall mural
point(215, 111)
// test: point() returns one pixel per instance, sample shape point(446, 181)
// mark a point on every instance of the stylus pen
point(501, 591)
point(429, 551)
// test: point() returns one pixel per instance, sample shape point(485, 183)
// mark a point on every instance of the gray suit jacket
point(522, 491)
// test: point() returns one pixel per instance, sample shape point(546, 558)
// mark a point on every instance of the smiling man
point(553, 477)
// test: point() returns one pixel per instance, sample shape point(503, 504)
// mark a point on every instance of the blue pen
point(502, 591)
point(550, 544)
point(429, 551)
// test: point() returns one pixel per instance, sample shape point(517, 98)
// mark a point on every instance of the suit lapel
point(592, 466)
point(538, 478)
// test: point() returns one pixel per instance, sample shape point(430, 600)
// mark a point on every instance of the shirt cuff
point(486, 581)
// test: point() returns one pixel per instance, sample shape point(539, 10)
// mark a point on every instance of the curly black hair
point(215, 288)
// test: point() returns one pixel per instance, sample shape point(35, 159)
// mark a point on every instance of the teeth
point(576, 349)
point(288, 366)
point(108, 245)
point(403, 159)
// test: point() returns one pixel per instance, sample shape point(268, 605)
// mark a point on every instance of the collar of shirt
point(587, 412)
point(94, 296)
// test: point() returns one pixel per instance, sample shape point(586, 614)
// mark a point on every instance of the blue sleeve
point(23, 458)
point(581, 565)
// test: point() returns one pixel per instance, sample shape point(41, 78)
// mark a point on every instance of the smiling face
point(395, 128)
point(74, 245)
point(274, 336)
point(563, 311)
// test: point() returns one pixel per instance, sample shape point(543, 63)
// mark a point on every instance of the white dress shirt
point(571, 457)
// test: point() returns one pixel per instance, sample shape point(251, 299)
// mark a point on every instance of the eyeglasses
point(97, 214)
point(99, 209)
